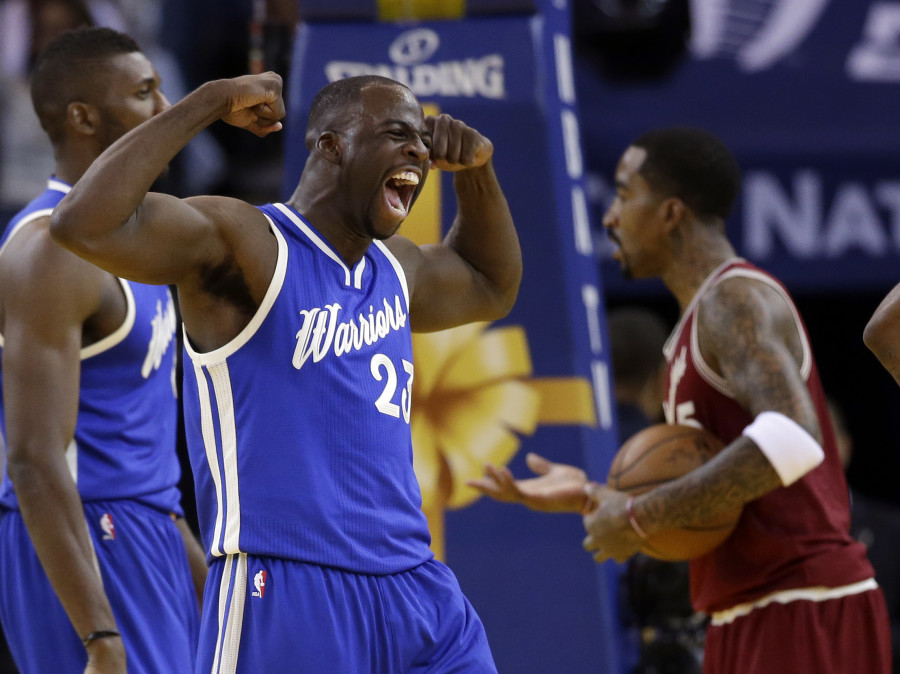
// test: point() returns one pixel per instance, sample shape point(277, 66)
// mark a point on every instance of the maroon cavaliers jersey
point(792, 537)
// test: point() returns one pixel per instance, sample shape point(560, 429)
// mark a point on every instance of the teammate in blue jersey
point(297, 393)
point(94, 569)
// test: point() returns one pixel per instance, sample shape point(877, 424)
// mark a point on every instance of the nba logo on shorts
point(259, 582)
point(109, 529)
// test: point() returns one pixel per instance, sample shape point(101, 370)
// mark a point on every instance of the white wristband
point(791, 450)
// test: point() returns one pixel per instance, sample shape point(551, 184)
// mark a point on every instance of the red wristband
point(629, 510)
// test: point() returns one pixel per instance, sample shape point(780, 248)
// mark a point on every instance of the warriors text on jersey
point(124, 444)
point(793, 537)
point(298, 429)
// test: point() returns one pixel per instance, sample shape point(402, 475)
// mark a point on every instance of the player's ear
point(674, 211)
point(330, 146)
point(83, 117)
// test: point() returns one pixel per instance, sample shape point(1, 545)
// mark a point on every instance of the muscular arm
point(110, 219)
point(748, 335)
point(474, 274)
point(41, 366)
point(882, 333)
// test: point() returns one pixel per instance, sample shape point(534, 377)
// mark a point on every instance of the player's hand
point(456, 146)
point(255, 103)
point(609, 533)
point(106, 656)
point(560, 487)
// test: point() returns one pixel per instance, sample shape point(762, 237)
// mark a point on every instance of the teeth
point(405, 178)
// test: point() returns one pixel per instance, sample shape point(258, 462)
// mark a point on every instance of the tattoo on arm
point(738, 474)
point(750, 336)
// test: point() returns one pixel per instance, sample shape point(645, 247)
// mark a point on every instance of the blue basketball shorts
point(146, 577)
point(263, 614)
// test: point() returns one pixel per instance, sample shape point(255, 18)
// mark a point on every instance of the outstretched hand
point(255, 103)
point(560, 487)
point(456, 146)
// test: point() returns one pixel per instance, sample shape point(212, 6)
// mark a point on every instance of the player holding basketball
point(297, 320)
point(789, 591)
point(93, 569)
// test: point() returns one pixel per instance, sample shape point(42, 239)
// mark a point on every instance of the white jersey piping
point(398, 268)
point(275, 285)
point(121, 332)
point(816, 594)
point(703, 368)
point(356, 281)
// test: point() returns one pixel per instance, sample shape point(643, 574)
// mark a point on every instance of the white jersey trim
point(398, 268)
point(207, 429)
point(672, 341)
point(220, 354)
point(31, 217)
point(121, 332)
point(703, 368)
point(354, 280)
point(52, 184)
point(221, 381)
point(816, 594)
point(72, 459)
point(230, 617)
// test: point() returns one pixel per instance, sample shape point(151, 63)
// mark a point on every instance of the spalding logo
point(414, 46)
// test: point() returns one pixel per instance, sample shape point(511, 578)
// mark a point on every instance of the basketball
point(655, 456)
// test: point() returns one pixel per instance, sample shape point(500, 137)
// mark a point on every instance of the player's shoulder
point(745, 293)
point(40, 277)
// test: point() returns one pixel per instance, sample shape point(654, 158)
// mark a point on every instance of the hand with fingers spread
point(456, 146)
point(255, 103)
point(559, 487)
point(610, 534)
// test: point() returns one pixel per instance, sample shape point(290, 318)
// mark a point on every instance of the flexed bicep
point(163, 240)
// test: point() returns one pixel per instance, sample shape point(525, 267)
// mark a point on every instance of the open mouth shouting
point(399, 190)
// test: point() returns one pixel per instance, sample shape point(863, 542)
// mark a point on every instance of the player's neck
point(694, 259)
point(70, 166)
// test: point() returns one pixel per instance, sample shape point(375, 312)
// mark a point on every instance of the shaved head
point(336, 97)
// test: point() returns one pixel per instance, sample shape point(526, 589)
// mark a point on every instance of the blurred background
point(805, 92)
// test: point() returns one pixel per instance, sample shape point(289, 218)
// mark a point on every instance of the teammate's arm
point(110, 219)
point(474, 274)
point(195, 555)
point(882, 333)
point(41, 367)
point(749, 336)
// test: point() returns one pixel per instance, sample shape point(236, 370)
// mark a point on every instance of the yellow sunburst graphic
point(474, 393)
point(470, 402)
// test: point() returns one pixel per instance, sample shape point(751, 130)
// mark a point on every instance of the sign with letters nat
point(807, 94)
point(537, 381)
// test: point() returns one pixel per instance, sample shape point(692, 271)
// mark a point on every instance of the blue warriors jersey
point(298, 429)
point(124, 444)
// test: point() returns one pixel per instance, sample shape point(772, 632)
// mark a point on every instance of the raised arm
point(474, 274)
point(882, 333)
point(41, 366)
point(749, 336)
point(110, 219)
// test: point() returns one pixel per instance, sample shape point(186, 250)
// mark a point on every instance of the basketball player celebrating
point(789, 590)
point(297, 401)
point(93, 565)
